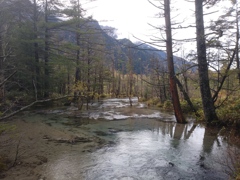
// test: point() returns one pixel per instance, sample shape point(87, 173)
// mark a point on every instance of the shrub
point(153, 101)
point(103, 96)
point(185, 107)
point(160, 105)
point(201, 115)
point(230, 112)
point(168, 105)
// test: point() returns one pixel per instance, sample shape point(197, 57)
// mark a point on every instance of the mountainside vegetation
point(50, 51)
point(52, 54)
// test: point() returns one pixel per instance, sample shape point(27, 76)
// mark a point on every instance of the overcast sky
point(132, 17)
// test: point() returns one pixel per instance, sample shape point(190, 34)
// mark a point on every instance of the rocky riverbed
point(28, 147)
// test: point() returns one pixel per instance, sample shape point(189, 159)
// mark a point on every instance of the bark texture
point(173, 87)
point(208, 104)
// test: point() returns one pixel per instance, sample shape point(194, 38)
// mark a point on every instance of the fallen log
point(30, 105)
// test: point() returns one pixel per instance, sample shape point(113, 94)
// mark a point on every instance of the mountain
point(141, 55)
point(122, 51)
point(145, 57)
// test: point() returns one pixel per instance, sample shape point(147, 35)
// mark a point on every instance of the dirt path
point(36, 144)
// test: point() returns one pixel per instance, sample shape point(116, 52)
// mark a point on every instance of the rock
point(111, 130)
point(46, 137)
point(171, 164)
point(42, 158)
point(202, 158)
point(42, 178)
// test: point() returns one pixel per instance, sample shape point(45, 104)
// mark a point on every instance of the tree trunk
point(77, 71)
point(2, 89)
point(173, 88)
point(237, 45)
point(46, 54)
point(186, 97)
point(130, 77)
point(208, 104)
point(36, 51)
point(78, 77)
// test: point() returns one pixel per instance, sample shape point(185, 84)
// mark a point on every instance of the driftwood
point(71, 141)
point(32, 104)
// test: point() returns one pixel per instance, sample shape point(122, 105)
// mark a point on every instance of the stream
point(143, 143)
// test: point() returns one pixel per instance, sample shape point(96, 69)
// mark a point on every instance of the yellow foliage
point(168, 105)
point(80, 86)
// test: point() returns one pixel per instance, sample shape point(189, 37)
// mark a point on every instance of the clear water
point(143, 144)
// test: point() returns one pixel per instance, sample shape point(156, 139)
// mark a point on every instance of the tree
point(130, 75)
point(36, 48)
point(208, 104)
point(51, 8)
point(229, 23)
point(76, 12)
point(159, 78)
point(173, 88)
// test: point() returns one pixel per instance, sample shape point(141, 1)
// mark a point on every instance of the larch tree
point(35, 20)
point(51, 8)
point(6, 27)
point(173, 87)
point(207, 101)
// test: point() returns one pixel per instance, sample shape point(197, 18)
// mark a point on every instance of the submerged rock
point(101, 133)
point(42, 158)
point(171, 164)
point(72, 140)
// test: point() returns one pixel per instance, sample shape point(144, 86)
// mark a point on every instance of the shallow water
point(143, 144)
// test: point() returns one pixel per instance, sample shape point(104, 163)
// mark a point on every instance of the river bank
point(110, 141)
point(29, 146)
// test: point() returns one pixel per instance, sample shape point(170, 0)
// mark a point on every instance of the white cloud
point(128, 16)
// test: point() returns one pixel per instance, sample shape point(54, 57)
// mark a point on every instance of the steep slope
point(121, 52)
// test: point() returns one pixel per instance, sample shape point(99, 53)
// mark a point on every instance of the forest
point(52, 54)
point(50, 51)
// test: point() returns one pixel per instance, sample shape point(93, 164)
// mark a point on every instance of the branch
point(32, 104)
point(155, 5)
point(186, 97)
point(215, 96)
point(210, 13)
point(5, 80)
point(184, 27)
point(36, 93)
point(16, 155)
point(152, 84)
point(227, 97)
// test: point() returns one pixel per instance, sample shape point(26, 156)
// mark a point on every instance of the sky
point(132, 17)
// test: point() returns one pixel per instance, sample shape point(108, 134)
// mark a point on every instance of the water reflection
point(187, 134)
point(210, 137)
point(143, 148)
